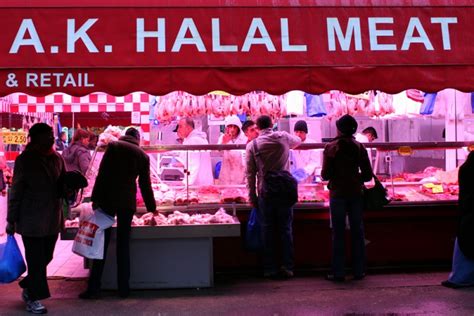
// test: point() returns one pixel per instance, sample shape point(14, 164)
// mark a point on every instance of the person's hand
point(226, 138)
point(10, 229)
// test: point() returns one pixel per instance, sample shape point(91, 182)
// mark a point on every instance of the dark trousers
point(276, 219)
point(38, 253)
point(124, 222)
point(353, 207)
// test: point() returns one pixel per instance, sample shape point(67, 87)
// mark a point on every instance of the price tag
point(14, 138)
point(438, 189)
point(405, 151)
point(429, 185)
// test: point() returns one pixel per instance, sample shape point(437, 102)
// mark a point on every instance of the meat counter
point(417, 227)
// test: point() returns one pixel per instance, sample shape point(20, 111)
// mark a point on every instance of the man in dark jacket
point(115, 193)
point(346, 165)
point(34, 210)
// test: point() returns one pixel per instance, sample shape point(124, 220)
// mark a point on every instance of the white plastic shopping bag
point(89, 240)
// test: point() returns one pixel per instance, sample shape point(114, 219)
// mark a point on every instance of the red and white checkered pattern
point(138, 102)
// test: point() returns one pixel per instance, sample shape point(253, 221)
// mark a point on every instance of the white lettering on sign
point(57, 80)
point(445, 21)
point(81, 34)
point(27, 25)
point(181, 39)
point(216, 39)
point(415, 33)
point(31, 80)
point(159, 34)
point(250, 39)
point(413, 25)
point(375, 33)
point(285, 39)
point(345, 40)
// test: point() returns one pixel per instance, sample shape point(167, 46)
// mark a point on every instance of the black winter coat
point(115, 188)
point(35, 203)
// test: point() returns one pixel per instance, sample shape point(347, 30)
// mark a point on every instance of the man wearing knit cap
point(304, 162)
point(346, 166)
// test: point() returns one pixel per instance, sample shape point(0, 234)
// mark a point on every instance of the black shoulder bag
point(375, 198)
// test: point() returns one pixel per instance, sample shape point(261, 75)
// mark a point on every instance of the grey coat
point(34, 204)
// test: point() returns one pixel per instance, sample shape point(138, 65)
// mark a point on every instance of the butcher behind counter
point(198, 163)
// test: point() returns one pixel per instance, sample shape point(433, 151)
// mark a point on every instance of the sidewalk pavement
point(383, 294)
point(240, 294)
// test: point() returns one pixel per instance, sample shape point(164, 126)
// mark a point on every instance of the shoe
point(24, 296)
point(452, 285)
point(333, 278)
point(36, 307)
point(271, 275)
point(124, 294)
point(359, 277)
point(89, 295)
point(286, 274)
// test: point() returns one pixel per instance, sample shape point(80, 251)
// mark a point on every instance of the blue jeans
point(276, 218)
point(353, 207)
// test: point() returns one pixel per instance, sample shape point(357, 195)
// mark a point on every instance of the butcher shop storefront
point(404, 69)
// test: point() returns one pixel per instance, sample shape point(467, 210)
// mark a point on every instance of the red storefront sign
point(200, 46)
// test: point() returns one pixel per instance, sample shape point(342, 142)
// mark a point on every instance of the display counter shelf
point(169, 256)
point(179, 256)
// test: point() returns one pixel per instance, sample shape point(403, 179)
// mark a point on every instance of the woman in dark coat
point(462, 274)
point(346, 166)
point(77, 156)
point(34, 210)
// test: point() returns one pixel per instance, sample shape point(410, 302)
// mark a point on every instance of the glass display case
point(427, 181)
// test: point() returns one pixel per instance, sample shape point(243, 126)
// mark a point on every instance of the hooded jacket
point(198, 163)
point(77, 157)
point(233, 164)
point(115, 188)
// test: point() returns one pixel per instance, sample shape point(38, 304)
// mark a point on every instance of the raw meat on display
point(180, 218)
point(179, 103)
point(233, 196)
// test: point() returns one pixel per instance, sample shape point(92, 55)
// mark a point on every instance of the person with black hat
point(35, 210)
point(346, 166)
point(304, 162)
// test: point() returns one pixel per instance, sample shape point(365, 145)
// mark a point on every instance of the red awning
point(80, 47)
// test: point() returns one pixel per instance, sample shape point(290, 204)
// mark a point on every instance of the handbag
point(90, 237)
point(12, 264)
point(253, 236)
point(375, 198)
